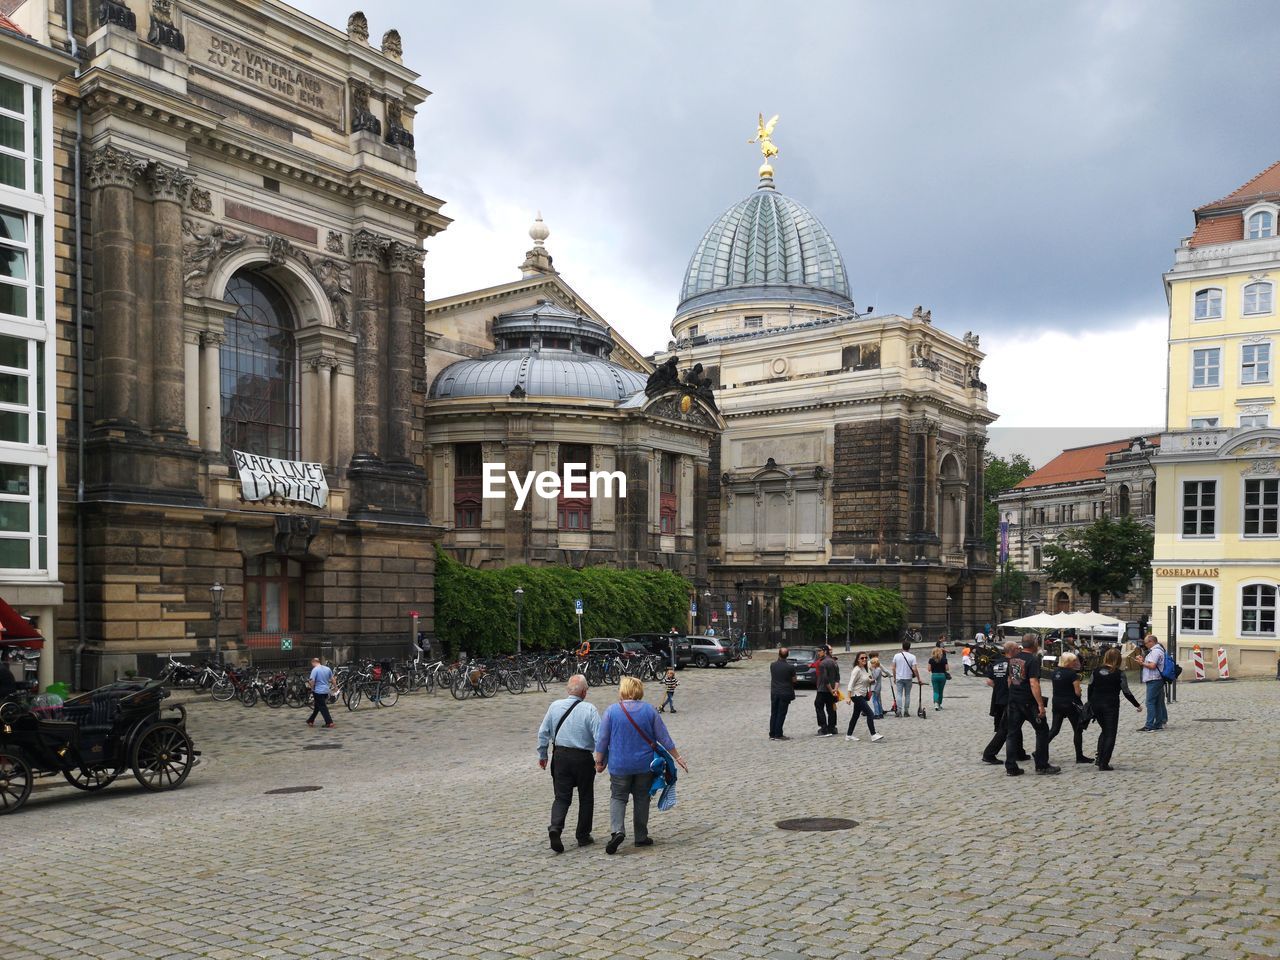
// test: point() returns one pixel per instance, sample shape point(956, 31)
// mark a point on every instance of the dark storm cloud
point(1016, 166)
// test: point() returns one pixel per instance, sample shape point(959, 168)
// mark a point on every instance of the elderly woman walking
point(625, 743)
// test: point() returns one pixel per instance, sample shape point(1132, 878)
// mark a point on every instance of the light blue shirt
point(1154, 657)
point(320, 677)
point(578, 731)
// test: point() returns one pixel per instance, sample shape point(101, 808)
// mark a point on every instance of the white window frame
point(1204, 423)
point(1255, 365)
point(30, 86)
point(1244, 509)
point(1270, 298)
point(1195, 303)
point(1217, 509)
point(1258, 210)
point(1255, 421)
point(1214, 606)
point(1216, 367)
point(1275, 609)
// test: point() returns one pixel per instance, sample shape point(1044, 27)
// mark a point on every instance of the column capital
point(404, 258)
point(112, 167)
point(368, 247)
point(211, 338)
point(323, 361)
point(169, 182)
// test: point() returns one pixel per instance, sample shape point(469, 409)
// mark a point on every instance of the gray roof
point(767, 246)
point(549, 373)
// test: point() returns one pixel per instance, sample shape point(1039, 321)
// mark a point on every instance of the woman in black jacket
point(1104, 703)
point(1066, 703)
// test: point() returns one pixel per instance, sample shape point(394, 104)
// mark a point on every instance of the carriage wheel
point(162, 756)
point(91, 779)
point(15, 782)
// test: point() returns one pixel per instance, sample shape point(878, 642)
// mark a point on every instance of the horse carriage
point(93, 738)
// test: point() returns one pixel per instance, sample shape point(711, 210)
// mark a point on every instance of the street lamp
point(215, 603)
point(706, 609)
point(519, 618)
point(848, 604)
point(948, 616)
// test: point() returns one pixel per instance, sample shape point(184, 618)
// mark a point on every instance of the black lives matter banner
point(264, 477)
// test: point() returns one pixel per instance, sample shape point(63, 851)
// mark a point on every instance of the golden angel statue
point(764, 131)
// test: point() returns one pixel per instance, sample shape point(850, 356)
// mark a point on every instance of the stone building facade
point(251, 280)
point(854, 442)
point(1071, 491)
point(527, 375)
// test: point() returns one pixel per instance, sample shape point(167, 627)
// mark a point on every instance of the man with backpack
point(1157, 669)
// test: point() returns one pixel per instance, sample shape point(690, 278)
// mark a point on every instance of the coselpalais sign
point(1186, 571)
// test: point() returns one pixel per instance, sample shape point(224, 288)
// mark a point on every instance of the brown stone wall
point(870, 489)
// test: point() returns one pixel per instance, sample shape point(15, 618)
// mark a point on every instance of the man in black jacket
point(782, 690)
point(827, 679)
point(1026, 705)
point(1000, 702)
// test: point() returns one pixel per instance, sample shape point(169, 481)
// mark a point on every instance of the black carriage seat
point(49, 733)
point(97, 712)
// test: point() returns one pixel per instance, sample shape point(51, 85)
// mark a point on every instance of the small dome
point(765, 247)
point(539, 231)
point(543, 351)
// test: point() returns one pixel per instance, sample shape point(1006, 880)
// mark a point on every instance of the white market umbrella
point(1086, 620)
point(1037, 621)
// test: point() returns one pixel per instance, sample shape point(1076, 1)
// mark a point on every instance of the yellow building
point(1217, 550)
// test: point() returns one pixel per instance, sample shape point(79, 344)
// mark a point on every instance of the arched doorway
point(951, 495)
point(1062, 602)
point(259, 368)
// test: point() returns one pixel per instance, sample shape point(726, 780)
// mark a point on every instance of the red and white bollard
point(1223, 672)
point(1197, 661)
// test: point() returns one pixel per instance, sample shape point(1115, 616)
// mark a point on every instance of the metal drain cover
point(323, 746)
point(817, 824)
point(283, 790)
point(1215, 719)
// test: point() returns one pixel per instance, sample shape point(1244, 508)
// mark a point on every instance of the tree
point(999, 476)
point(1104, 557)
point(1009, 586)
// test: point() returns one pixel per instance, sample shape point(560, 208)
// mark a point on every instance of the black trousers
point(321, 707)
point(1016, 714)
point(778, 707)
point(573, 769)
point(824, 704)
point(862, 708)
point(1069, 711)
point(1000, 734)
point(1108, 722)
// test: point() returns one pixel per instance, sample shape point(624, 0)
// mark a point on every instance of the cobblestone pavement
point(428, 840)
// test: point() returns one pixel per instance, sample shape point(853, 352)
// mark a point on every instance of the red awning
point(17, 632)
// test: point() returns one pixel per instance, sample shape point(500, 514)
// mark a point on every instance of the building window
point(1257, 297)
point(1251, 421)
point(1197, 608)
point(1151, 499)
point(1206, 367)
point(1036, 557)
point(669, 511)
point(1262, 225)
point(272, 596)
point(753, 323)
point(1255, 363)
point(556, 343)
point(1199, 507)
point(259, 371)
point(21, 136)
point(1124, 500)
point(1258, 609)
point(574, 513)
point(1209, 304)
point(1261, 508)
point(21, 250)
point(24, 521)
point(468, 470)
point(693, 330)
point(1204, 423)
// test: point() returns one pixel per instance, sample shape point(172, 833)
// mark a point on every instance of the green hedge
point(876, 613)
point(476, 609)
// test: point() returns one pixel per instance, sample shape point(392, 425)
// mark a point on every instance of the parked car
point(660, 643)
point(609, 645)
point(802, 659)
point(708, 650)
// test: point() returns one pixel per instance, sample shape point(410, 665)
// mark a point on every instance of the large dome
point(765, 247)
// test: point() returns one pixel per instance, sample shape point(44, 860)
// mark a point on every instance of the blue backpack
point(1169, 668)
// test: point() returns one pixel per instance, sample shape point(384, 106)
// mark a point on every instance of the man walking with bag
point(570, 729)
point(906, 672)
point(1153, 679)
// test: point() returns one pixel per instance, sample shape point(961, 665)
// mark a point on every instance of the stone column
point(191, 380)
point(211, 390)
point(113, 173)
point(366, 250)
point(406, 261)
point(343, 385)
point(323, 432)
point(169, 186)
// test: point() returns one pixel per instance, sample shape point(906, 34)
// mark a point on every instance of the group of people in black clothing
point(1016, 699)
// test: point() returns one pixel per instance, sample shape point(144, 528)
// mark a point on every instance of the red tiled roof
point(7, 24)
point(1077, 464)
point(1218, 230)
point(1264, 184)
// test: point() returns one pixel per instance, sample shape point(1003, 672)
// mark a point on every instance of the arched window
point(1209, 304)
point(1124, 500)
point(1258, 609)
point(1261, 225)
point(1257, 297)
point(1061, 602)
point(1197, 608)
point(1151, 499)
point(259, 370)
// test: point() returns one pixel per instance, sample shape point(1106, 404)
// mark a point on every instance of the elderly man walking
point(569, 729)
point(1153, 679)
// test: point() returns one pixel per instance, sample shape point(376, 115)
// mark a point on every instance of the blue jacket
point(620, 742)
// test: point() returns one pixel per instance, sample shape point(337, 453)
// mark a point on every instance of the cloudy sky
point(1024, 169)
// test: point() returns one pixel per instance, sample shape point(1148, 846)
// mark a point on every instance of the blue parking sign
point(577, 607)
